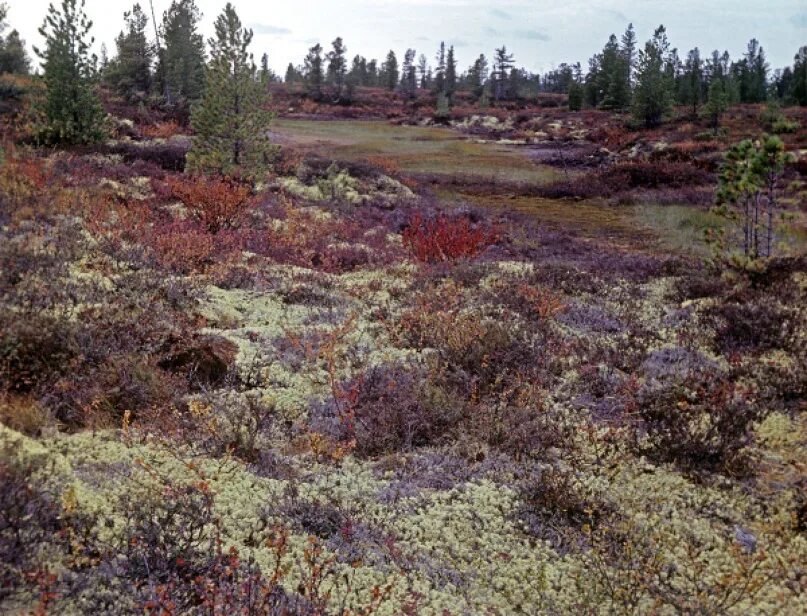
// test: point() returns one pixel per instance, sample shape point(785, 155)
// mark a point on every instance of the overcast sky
point(541, 33)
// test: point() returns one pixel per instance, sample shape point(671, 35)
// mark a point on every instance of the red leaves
point(445, 239)
point(215, 202)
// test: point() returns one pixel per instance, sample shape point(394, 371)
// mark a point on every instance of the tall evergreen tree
point(799, 87)
point(653, 94)
point(752, 74)
point(451, 73)
point(440, 70)
point(409, 80)
point(129, 73)
point(716, 103)
point(293, 74)
point(502, 63)
point(337, 67)
point(372, 73)
point(423, 71)
point(265, 73)
point(614, 76)
point(314, 73)
point(629, 51)
point(692, 82)
point(181, 68)
point(13, 57)
point(478, 76)
point(389, 71)
point(230, 122)
point(72, 111)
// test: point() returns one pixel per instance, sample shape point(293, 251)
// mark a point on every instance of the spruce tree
point(130, 72)
point(230, 122)
point(451, 73)
point(337, 67)
point(502, 63)
point(440, 71)
point(610, 75)
point(423, 70)
point(799, 84)
point(314, 73)
point(653, 94)
point(266, 72)
point(71, 109)
point(478, 76)
point(575, 96)
point(629, 52)
point(389, 70)
point(13, 57)
point(716, 103)
point(182, 62)
point(691, 87)
point(409, 81)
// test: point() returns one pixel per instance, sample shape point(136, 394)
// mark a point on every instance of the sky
point(541, 33)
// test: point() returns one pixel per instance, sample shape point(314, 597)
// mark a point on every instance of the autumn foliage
point(446, 239)
point(216, 203)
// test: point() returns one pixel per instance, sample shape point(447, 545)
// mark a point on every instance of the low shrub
point(169, 156)
point(30, 517)
point(184, 247)
point(386, 410)
point(703, 422)
point(754, 324)
point(622, 176)
point(216, 203)
point(162, 130)
point(446, 239)
point(34, 350)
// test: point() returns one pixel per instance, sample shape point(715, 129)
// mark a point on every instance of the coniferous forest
point(398, 335)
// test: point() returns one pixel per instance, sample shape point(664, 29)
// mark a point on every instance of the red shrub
point(445, 239)
point(215, 202)
point(162, 130)
point(182, 246)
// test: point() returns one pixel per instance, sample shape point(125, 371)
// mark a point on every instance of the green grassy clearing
point(415, 149)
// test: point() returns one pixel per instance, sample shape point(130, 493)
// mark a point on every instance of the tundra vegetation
point(399, 339)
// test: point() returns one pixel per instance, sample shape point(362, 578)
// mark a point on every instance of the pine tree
point(314, 74)
point(372, 73)
point(129, 73)
point(612, 88)
point(653, 94)
point(409, 80)
point(181, 70)
point(13, 57)
point(358, 71)
point(691, 87)
point(478, 76)
point(629, 51)
point(752, 74)
point(265, 73)
point(337, 67)
point(71, 108)
point(575, 96)
point(716, 103)
point(799, 87)
point(230, 122)
point(502, 63)
point(423, 70)
point(451, 73)
point(440, 71)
